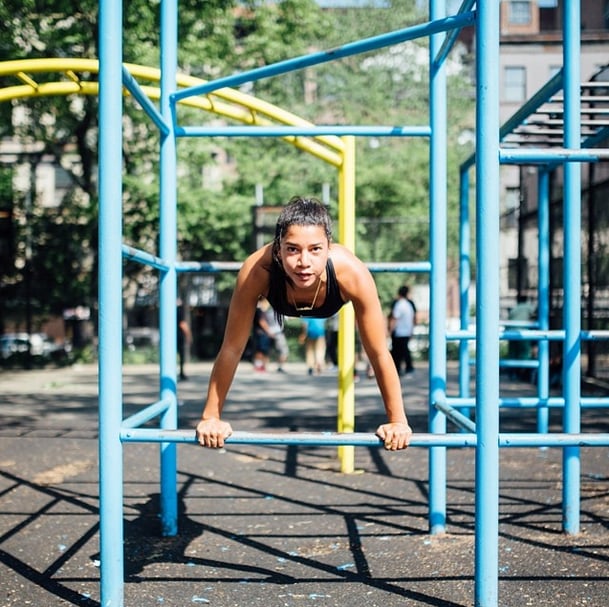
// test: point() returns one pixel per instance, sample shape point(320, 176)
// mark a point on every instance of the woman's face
point(304, 253)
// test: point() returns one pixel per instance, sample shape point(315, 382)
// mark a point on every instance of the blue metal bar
point(537, 100)
point(533, 334)
point(208, 267)
point(144, 258)
point(347, 50)
point(549, 89)
point(464, 280)
point(600, 137)
point(543, 297)
point(545, 155)
point(132, 85)
point(452, 36)
point(524, 402)
point(513, 363)
point(574, 440)
point(110, 304)
point(211, 267)
point(360, 439)
point(438, 255)
point(168, 279)
point(456, 417)
point(572, 265)
point(409, 266)
point(487, 305)
point(302, 131)
point(146, 414)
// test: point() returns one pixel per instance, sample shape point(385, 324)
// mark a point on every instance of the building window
point(519, 12)
point(512, 198)
point(514, 84)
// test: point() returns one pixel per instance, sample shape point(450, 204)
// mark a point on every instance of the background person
point(313, 337)
point(332, 341)
point(184, 338)
point(268, 333)
point(401, 327)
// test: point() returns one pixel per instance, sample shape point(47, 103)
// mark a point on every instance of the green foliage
point(218, 38)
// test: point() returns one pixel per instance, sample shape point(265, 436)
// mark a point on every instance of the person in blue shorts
point(313, 336)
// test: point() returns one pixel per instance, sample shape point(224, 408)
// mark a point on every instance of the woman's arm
point(356, 284)
point(252, 281)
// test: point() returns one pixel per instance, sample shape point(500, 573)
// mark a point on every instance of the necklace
point(308, 308)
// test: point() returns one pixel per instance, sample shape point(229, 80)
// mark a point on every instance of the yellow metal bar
point(238, 106)
point(49, 89)
point(29, 81)
point(346, 325)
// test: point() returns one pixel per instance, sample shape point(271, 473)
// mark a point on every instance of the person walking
point(313, 336)
point(401, 327)
point(332, 341)
point(184, 339)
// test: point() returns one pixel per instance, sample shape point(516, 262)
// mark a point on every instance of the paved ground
point(278, 526)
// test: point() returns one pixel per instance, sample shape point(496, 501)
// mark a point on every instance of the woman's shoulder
point(345, 261)
point(258, 260)
point(255, 269)
point(351, 273)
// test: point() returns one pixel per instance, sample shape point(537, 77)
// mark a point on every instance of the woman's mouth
point(302, 277)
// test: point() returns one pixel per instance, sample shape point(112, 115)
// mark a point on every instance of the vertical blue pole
point(437, 330)
point(168, 288)
point(543, 297)
point(572, 264)
point(110, 303)
point(487, 304)
point(464, 280)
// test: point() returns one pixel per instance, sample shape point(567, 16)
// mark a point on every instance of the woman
point(302, 273)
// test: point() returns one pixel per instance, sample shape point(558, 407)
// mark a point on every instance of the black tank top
point(331, 305)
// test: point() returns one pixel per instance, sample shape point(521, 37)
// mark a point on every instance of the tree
point(217, 38)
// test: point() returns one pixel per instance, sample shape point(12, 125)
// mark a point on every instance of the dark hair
point(299, 211)
point(403, 291)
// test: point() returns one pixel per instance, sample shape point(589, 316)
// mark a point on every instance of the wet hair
point(299, 211)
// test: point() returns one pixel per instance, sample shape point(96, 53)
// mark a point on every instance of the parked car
point(14, 348)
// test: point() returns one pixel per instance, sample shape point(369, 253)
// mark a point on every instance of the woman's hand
point(212, 432)
point(395, 435)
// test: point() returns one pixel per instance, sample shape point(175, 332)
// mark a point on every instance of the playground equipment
point(260, 119)
point(487, 437)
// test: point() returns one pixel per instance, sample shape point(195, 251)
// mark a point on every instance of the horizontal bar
point(518, 363)
point(553, 440)
point(543, 155)
point(391, 266)
point(359, 439)
point(146, 414)
point(530, 334)
point(310, 439)
point(235, 266)
point(208, 267)
point(302, 131)
point(525, 402)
